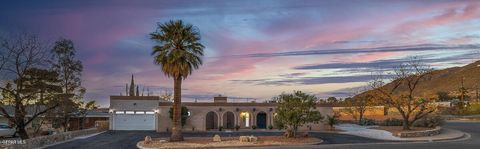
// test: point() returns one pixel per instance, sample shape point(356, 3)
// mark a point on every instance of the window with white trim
point(149, 112)
point(129, 112)
point(139, 112)
point(119, 112)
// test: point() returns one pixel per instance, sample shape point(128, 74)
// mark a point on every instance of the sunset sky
point(254, 49)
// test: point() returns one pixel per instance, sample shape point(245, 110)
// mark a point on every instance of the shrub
point(430, 121)
point(393, 122)
point(278, 124)
point(473, 108)
point(237, 127)
point(254, 127)
point(220, 128)
point(367, 122)
point(270, 127)
point(332, 120)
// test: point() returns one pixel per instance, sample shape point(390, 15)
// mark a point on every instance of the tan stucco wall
point(197, 118)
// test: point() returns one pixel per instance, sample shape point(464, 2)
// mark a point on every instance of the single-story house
point(152, 113)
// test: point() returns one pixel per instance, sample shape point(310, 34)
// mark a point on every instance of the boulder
point(217, 138)
point(244, 139)
point(147, 140)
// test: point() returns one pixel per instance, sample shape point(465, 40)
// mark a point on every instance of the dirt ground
point(204, 142)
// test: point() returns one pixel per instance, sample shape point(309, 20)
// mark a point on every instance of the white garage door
point(134, 121)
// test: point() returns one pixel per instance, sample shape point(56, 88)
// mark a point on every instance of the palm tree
point(178, 53)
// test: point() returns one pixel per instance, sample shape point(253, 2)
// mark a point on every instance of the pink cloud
point(454, 14)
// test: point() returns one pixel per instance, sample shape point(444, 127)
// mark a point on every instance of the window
point(149, 112)
point(129, 112)
point(139, 112)
point(119, 112)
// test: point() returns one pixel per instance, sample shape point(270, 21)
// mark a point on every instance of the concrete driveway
point(129, 139)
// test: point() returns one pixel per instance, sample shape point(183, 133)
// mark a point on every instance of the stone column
point(254, 119)
point(220, 119)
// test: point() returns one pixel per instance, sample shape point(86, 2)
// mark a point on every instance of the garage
point(134, 120)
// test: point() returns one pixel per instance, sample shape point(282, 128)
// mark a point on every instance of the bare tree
point(25, 53)
point(358, 104)
point(400, 92)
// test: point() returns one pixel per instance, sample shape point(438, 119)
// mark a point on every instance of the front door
point(262, 120)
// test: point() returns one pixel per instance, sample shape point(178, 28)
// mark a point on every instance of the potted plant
point(254, 127)
point(270, 127)
point(193, 128)
point(237, 127)
point(220, 128)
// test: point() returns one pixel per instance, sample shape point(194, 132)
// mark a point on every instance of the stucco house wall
point(198, 112)
point(133, 103)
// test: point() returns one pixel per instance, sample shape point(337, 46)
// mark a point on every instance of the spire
point(132, 87)
point(138, 93)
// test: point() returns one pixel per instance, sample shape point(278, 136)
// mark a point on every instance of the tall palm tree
point(178, 52)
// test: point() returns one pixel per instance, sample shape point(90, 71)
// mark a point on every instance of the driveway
point(129, 139)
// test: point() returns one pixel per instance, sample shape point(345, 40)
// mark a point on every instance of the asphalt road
point(128, 140)
point(471, 143)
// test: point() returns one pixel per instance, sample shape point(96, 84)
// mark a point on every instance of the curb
point(466, 136)
point(413, 139)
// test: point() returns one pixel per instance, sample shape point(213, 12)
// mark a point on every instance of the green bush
point(367, 122)
point(393, 122)
point(430, 121)
point(278, 124)
point(332, 120)
point(254, 127)
point(220, 128)
point(270, 127)
point(473, 109)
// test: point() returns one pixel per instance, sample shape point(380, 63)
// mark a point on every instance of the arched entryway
point(262, 120)
point(211, 121)
point(245, 119)
point(228, 120)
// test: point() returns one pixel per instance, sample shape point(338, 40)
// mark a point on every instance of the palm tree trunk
point(177, 101)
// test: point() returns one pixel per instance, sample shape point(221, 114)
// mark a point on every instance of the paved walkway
point(366, 131)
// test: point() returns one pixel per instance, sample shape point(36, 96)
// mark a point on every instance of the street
point(128, 139)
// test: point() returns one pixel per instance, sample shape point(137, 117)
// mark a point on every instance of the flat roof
point(134, 98)
point(261, 104)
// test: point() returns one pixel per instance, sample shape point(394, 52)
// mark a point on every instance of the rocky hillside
point(449, 80)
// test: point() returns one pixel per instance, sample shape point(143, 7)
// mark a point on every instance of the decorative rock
point(217, 138)
point(244, 139)
point(253, 139)
point(148, 140)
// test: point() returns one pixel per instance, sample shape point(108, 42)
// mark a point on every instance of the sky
point(254, 50)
